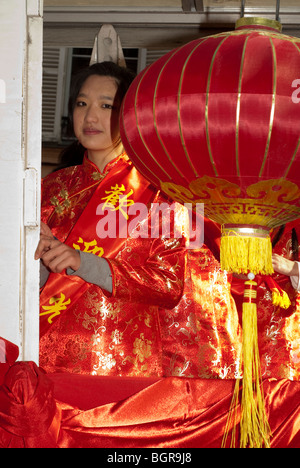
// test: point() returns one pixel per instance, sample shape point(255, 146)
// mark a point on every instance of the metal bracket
point(277, 9)
point(188, 5)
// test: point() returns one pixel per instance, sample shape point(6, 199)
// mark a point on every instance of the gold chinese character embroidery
point(117, 200)
point(90, 247)
point(57, 304)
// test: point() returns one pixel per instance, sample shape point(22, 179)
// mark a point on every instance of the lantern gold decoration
point(216, 122)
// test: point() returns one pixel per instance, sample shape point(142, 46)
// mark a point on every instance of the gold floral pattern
point(62, 202)
point(142, 348)
point(97, 176)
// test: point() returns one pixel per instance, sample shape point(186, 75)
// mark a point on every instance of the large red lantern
point(217, 121)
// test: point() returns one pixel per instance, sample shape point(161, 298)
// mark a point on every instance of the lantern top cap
point(258, 21)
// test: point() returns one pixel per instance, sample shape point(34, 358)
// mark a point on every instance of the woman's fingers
point(45, 230)
point(283, 265)
point(44, 245)
point(60, 257)
point(45, 242)
point(56, 255)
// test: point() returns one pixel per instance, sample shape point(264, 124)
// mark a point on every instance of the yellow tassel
point(281, 299)
point(232, 420)
point(254, 427)
point(245, 249)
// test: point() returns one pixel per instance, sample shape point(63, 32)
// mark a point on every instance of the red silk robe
point(85, 330)
point(278, 328)
point(202, 336)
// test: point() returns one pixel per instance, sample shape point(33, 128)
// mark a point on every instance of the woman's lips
point(91, 131)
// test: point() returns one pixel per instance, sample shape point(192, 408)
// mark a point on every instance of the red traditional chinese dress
point(202, 336)
point(278, 328)
point(83, 328)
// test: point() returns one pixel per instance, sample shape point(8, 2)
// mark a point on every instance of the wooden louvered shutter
point(54, 64)
point(153, 55)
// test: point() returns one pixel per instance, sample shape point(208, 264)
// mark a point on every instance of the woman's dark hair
point(73, 154)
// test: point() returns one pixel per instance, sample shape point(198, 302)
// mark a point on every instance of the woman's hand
point(46, 230)
point(284, 266)
point(45, 243)
point(56, 255)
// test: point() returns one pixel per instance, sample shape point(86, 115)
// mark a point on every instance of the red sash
point(121, 188)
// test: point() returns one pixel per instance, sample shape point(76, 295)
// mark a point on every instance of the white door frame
point(21, 34)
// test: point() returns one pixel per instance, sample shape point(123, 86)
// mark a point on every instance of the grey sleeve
point(95, 270)
point(44, 274)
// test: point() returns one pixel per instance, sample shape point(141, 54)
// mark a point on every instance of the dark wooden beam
point(199, 6)
point(187, 5)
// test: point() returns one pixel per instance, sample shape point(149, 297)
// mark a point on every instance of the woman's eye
point(80, 103)
point(107, 106)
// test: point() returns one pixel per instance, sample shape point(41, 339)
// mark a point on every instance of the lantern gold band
point(245, 230)
point(258, 21)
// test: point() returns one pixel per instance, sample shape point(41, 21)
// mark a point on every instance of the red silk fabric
point(29, 415)
point(39, 410)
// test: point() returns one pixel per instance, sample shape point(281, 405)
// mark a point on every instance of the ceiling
point(224, 4)
point(157, 24)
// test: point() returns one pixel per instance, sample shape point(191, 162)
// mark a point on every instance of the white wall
point(20, 161)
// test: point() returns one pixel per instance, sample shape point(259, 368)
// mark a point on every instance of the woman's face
point(96, 114)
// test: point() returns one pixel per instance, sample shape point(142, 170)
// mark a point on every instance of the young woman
point(108, 275)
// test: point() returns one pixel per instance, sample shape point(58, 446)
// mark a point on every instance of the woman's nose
point(91, 114)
